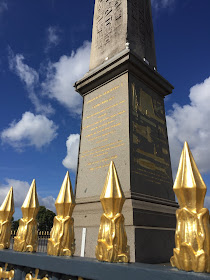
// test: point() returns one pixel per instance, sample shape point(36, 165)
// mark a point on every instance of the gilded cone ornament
point(112, 238)
point(61, 241)
point(6, 213)
point(26, 239)
point(192, 230)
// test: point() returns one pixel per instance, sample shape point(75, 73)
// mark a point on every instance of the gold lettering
point(107, 149)
point(100, 147)
point(102, 135)
point(117, 104)
point(100, 95)
point(155, 157)
point(102, 160)
point(107, 128)
point(103, 102)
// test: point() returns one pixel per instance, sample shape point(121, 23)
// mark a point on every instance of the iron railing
point(43, 237)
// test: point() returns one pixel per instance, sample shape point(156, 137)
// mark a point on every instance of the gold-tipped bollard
point(112, 238)
point(192, 230)
point(6, 212)
point(61, 241)
point(26, 238)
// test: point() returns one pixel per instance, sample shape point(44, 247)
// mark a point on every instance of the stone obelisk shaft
point(119, 24)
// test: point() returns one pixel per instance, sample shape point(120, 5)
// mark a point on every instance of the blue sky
point(44, 49)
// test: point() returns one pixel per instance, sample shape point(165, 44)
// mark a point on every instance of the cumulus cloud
point(191, 123)
point(3, 6)
point(62, 75)
point(72, 144)
point(20, 189)
point(30, 79)
point(53, 37)
point(158, 4)
point(48, 202)
point(31, 130)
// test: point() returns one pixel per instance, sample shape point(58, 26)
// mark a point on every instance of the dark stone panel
point(154, 245)
point(149, 151)
point(148, 218)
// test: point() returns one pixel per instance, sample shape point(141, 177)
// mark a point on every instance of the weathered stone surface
point(120, 24)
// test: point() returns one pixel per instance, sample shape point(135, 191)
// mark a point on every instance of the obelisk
point(124, 121)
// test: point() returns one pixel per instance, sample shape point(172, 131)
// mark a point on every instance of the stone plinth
point(124, 121)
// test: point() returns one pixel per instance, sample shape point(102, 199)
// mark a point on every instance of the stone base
point(150, 229)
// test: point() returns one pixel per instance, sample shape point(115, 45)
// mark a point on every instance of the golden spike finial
point(61, 241)
point(6, 212)
point(26, 238)
point(112, 238)
point(189, 186)
point(192, 230)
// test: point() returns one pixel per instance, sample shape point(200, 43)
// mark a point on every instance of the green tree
point(15, 224)
point(45, 219)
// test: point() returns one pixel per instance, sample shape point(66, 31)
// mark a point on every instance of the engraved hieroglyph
point(121, 24)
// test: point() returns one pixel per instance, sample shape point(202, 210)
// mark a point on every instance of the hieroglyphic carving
point(109, 19)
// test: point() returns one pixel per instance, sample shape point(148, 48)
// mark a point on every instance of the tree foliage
point(45, 219)
point(15, 224)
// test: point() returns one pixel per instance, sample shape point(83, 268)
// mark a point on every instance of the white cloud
point(191, 123)
point(30, 78)
point(31, 130)
point(71, 158)
point(3, 6)
point(158, 4)
point(48, 202)
point(53, 37)
point(20, 190)
point(62, 75)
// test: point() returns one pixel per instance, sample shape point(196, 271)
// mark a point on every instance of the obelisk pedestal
point(124, 121)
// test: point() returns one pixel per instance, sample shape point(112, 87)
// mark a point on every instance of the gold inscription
point(148, 121)
point(144, 131)
point(155, 157)
point(106, 149)
point(101, 125)
point(98, 167)
point(101, 147)
point(149, 165)
point(117, 104)
point(147, 108)
point(100, 95)
point(151, 176)
point(101, 116)
point(107, 128)
point(102, 141)
point(103, 102)
point(102, 160)
point(102, 135)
